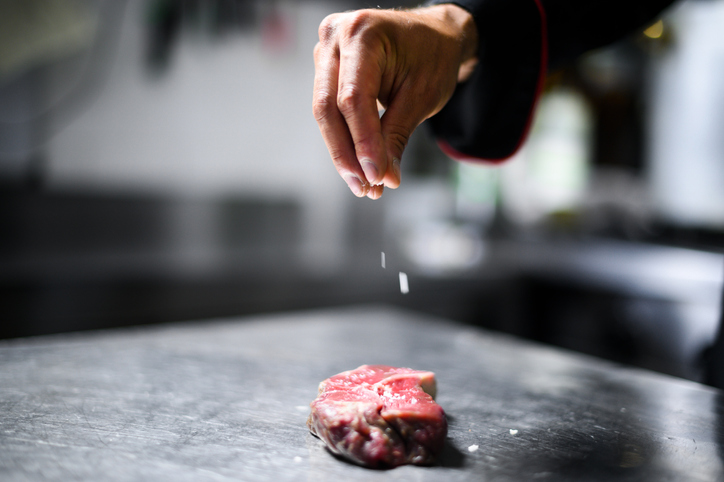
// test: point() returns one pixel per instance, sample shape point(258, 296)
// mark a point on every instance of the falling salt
point(513, 431)
point(473, 448)
point(404, 286)
point(383, 260)
point(297, 459)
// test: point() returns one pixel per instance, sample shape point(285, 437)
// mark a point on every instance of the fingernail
point(396, 168)
point(370, 170)
point(355, 184)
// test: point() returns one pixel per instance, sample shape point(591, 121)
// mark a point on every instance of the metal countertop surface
point(228, 400)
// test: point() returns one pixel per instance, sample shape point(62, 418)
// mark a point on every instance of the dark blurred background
point(159, 162)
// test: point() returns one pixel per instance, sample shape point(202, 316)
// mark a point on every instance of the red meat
point(380, 416)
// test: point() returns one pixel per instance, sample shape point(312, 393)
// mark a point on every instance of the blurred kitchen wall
point(227, 112)
point(159, 161)
point(149, 144)
point(686, 119)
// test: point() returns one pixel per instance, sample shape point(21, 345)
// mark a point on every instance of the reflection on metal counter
point(229, 400)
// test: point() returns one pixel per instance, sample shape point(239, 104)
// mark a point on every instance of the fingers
point(402, 116)
point(360, 76)
point(348, 75)
point(330, 120)
point(406, 62)
point(398, 123)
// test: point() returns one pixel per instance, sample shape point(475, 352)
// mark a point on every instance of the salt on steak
point(380, 416)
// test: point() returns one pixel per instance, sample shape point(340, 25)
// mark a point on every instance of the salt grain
point(297, 459)
point(404, 286)
point(383, 260)
point(513, 431)
point(473, 448)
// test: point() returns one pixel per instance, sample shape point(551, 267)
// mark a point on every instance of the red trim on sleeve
point(451, 152)
point(459, 156)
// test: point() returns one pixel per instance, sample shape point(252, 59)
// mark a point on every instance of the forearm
point(573, 27)
point(518, 42)
point(489, 115)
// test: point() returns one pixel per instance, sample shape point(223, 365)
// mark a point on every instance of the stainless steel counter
point(228, 400)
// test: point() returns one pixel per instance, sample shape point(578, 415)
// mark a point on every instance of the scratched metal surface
point(228, 400)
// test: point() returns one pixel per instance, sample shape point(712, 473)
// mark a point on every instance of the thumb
point(398, 124)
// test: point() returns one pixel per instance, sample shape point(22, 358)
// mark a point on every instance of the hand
point(406, 62)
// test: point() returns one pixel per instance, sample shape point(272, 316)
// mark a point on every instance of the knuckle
point(349, 100)
point(358, 21)
point(322, 105)
point(328, 28)
point(344, 29)
point(398, 136)
point(358, 25)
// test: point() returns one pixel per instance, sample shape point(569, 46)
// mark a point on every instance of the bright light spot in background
point(655, 31)
point(404, 286)
point(550, 173)
point(685, 119)
point(444, 246)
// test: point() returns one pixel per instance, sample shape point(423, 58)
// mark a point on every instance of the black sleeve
point(519, 40)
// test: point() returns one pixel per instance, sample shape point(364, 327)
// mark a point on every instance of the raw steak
point(380, 416)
